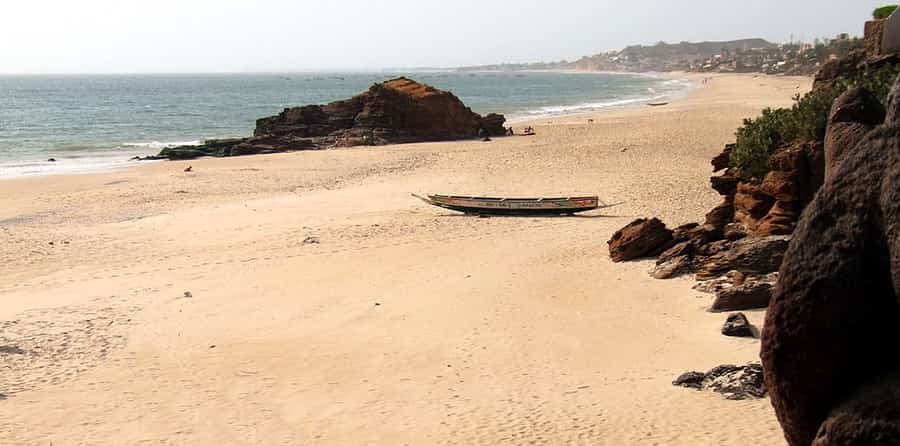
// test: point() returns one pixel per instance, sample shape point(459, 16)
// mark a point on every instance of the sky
point(170, 36)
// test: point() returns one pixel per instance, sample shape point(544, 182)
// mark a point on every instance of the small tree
point(883, 12)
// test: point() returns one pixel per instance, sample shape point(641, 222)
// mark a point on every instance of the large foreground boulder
point(830, 330)
point(869, 417)
point(853, 114)
point(640, 238)
point(396, 111)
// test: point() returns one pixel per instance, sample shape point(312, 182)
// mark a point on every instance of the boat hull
point(514, 206)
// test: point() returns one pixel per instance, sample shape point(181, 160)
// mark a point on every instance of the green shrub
point(806, 120)
point(883, 12)
point(751, 152)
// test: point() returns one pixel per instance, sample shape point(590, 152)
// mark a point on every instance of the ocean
point(96, 122)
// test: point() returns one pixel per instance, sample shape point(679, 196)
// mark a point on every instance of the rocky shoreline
point(815, 242)
point(397, 111)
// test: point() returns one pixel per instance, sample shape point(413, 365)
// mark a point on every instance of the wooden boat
point(514, 206)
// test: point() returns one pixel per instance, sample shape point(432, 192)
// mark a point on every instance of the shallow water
point(97, 122)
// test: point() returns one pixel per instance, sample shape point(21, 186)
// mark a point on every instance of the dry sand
point(404, 324)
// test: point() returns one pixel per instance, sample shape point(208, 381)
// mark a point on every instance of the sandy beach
point(327, 306)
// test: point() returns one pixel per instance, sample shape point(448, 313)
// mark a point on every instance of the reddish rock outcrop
point(641, 238)
point(397, 111)
point(835, 308)
point(751, 204)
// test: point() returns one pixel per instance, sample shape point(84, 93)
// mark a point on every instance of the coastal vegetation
point(883, 12)
point(804, 121)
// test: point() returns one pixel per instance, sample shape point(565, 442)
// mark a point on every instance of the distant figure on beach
point(510, 132)
point(529, 131)
point(189, 169)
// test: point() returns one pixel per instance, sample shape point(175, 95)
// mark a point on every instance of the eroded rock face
point(397, 111)
point(835, 307)
point(751, 204)
point(640, 238)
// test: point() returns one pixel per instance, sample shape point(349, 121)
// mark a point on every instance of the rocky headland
point(808, 230)
point(393, 112)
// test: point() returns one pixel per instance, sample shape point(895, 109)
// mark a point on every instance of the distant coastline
point(753, 55)
point(86, 131)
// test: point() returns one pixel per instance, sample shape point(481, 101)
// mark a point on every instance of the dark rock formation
point(691, 380)
point(869, 417)
point(492, 124)
point(675, 261)
point(397, 111)
point(756, 255)
point(673, 268)
point(749, 296)
point(720, 217)
point(734, 382)
point(641, 238)
point(738, 326)
point(726, 184)
point(853, 114)
point(835, 309)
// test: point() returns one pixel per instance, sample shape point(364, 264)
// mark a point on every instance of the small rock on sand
point(737, 326)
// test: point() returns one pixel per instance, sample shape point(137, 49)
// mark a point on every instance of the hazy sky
point(75, 36)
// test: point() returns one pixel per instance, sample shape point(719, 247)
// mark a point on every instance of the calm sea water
point(97, 122)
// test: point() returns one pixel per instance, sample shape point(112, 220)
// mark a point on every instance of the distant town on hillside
point(740, 56)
